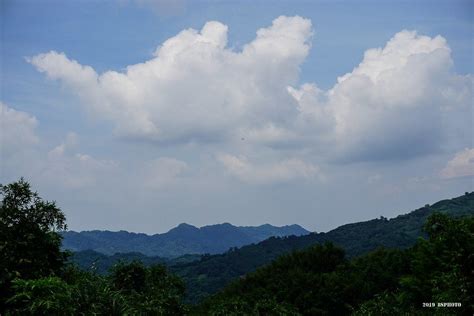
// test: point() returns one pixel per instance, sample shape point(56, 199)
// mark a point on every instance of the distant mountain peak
point(221, 225)
point(182, 239)
point(227, 224)
point(185, 225)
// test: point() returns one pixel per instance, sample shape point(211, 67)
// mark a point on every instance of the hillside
point(319, 280)
point(100, 263)
point(181, 240)
point(212, 273)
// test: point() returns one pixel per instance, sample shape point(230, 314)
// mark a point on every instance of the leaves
point(320, 281)
point(29, 242)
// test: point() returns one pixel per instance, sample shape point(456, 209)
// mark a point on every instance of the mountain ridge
point(190, 225)
point(209, 273)
point(180, 240)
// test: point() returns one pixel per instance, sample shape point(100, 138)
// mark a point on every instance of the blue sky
point(227, 127)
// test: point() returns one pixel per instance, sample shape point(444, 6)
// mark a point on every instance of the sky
point(139, 115)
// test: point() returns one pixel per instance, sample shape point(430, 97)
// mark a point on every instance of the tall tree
point(30, 245)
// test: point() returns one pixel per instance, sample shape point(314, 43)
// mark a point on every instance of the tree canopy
point(317, 280)
point(37, 280)
point(29, 241)
point(321, 281)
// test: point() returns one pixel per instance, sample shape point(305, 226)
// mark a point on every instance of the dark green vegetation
point(322, 281)
point(212, 273)
point(29, 245)
point(318, 280)
point(181, 240)
point(130, 289)
point(101, 264)
point(35, 280)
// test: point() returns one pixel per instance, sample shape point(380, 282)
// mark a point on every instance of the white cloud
point(164, 171)
point(243, 169)
point(393, 104)
point(194, 87)
point(269, 134)
point(462, 165)
point(17, 130)
point(20, 156)
point(396, 104)
point(73, 169)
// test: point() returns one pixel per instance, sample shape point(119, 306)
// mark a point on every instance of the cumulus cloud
point(395, 104)
point(194, 87)
point(17, 130)
point(392, 105)
point(241, 168)
point(462, 165)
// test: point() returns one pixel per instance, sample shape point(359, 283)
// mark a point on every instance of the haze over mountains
point(181, 240)
point(205, 275)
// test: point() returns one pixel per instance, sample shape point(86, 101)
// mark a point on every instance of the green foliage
point(36, 281)
point(131, 289)
point(29, 242)
point(386, 303)
point(379, 271)
point(321, 281)
point(210, 274)
point(267, 307)
point(94, 295)
point(205, 275)
point(308, 282)
point(48, 296)
point(100, 263)
point(442, 266)
point(129, 277)
point(440, 270)
point(148, 290)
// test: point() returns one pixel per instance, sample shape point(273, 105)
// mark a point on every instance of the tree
point(320, 281)
point(29, 239)
point(442, 266)
point(47, 296)
point(149, 291)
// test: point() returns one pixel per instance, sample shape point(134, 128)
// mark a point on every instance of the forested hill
point(211, 273)
point(181, 240)
point(320, 280)
point(100, 263)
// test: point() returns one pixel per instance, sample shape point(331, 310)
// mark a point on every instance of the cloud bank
point(18, 130)
point(194, 87)
point(393, 105)
point(243, 169)
point(462, 165)
point(72, 169)
point(162, 172)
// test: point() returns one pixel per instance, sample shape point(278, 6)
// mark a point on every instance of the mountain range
point(181, 240)
point(211, 273)
point(207, 274)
